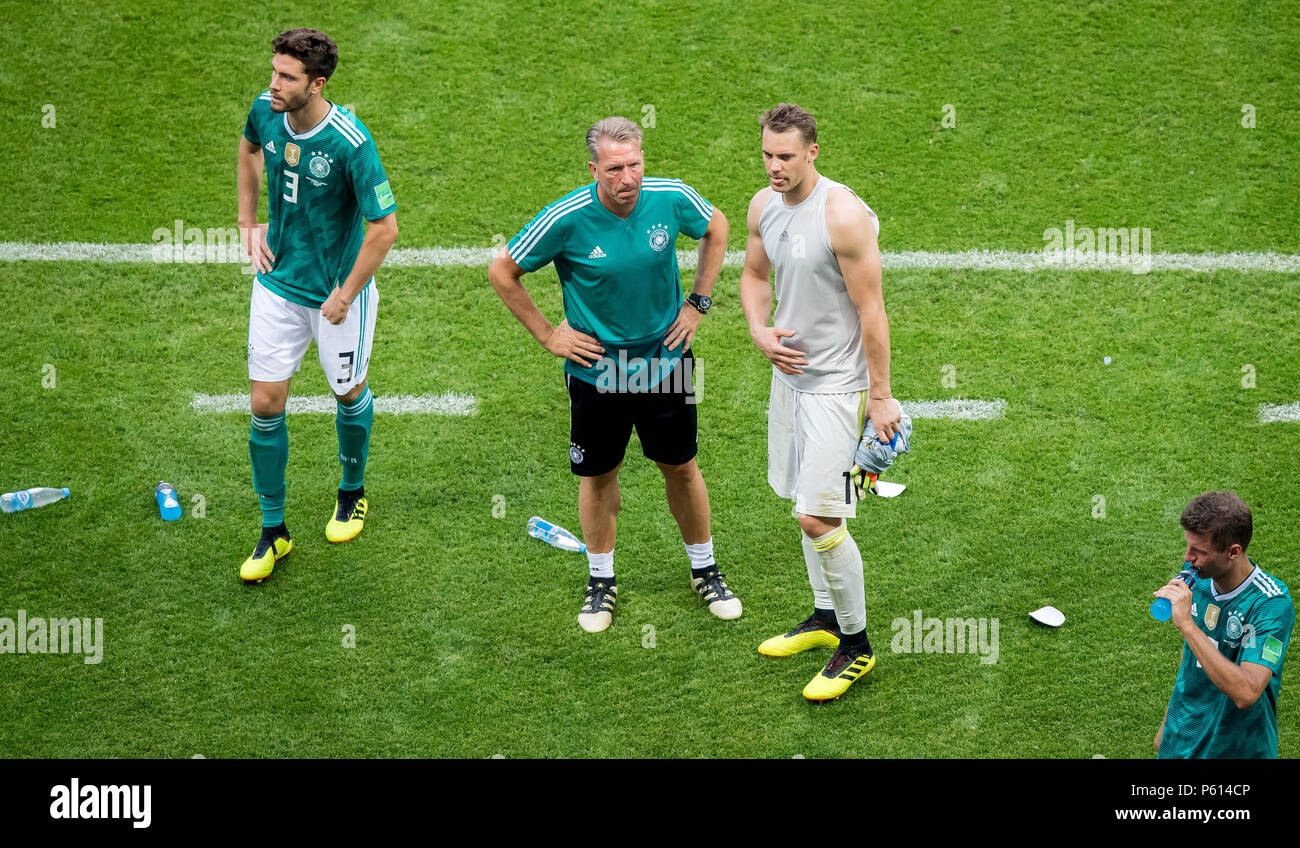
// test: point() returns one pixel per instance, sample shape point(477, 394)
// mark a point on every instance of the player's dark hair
point(1222, 516)
point(316, 50)
point(784, 117)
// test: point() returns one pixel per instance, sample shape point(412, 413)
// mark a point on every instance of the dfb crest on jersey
point(319, 165)
point(1234, 626)
point(658, 237)
point(575, 454)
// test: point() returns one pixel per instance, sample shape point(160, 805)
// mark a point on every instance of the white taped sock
point(842, 566)
point(813, 560)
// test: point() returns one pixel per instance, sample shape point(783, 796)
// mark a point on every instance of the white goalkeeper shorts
point(810, 443)
point(280, 330)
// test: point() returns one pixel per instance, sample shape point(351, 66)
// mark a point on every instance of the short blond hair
point(615, 129)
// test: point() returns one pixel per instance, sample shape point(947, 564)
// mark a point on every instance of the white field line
point(959, 408)
point(477, 257)
point(451, 403)
point(1273, 412)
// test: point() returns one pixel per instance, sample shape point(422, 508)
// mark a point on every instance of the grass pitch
point(466, 643)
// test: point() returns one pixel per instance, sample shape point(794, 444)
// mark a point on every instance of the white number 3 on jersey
point(291, 186)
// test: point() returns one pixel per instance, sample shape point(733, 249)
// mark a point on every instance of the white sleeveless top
point(810, 295)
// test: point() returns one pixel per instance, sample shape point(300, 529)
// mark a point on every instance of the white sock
point(701, 555)
point(601, 565)
point(842, 565)
point(812, 559)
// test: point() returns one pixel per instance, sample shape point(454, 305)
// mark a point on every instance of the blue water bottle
point(1161, 609)
point(169, 507)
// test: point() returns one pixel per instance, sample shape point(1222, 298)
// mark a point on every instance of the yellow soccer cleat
point(270, 550)
point(349, 517)
point(845, 667)
point(811, 633)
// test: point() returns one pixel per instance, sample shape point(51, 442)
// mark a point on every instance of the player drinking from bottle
point(315, 263)
point(1236, 623)
point(829, 348)
point(626, 340)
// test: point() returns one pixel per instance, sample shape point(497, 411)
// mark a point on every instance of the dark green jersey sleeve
point(1272, 633)
point(541, 239)
point(370, 183)
point(256, 115)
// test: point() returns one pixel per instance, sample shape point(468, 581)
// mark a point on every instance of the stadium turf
point(466, 643)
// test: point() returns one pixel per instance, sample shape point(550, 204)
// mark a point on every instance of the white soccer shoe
point(722, 601)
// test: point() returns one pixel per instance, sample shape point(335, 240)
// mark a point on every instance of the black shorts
point(600, 423)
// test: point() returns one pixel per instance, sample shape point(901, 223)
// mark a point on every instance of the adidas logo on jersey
point(270, 145)
point(596, 254)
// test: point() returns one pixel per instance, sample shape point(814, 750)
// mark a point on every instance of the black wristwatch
point(701, 302)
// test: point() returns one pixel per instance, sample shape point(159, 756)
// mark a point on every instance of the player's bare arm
point(563, 341)
point(249, 180)
point(380, 235)
point(1242, 683)
point(713, 249)
point(853, 239)
point(756, 295)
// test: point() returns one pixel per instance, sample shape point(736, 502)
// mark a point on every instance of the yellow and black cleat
point(349, 517)
point(269, 551)
point(845, 667)
point(811, 633)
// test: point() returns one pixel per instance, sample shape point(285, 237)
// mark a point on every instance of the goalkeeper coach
point(626, 339)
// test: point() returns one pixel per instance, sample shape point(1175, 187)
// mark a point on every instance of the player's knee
point(604, 486)
point(685, 472)
point(816, 525)
point(356, 392)
point(266, 404)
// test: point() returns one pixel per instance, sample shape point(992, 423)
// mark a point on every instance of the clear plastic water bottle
point(169, 506)
point(1161, 609)
point(540, 528)
point(30, 499)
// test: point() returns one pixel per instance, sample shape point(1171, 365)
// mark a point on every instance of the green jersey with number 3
point(320, 183)
point(1250, 624)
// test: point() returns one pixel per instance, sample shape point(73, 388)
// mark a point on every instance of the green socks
point(353, 423)
point(268, 448)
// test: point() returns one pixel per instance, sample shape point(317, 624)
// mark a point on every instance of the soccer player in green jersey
point(1236, 622)
point(626, 339)
point(315, 262)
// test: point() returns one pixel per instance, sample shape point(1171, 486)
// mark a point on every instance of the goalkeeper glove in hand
point(873, 456)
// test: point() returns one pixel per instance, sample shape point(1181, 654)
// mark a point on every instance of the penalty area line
point(893, 260)
point(962, 409)
point(1271, 413)
point(448, 403)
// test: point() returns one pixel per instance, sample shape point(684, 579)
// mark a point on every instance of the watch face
point(702, 301)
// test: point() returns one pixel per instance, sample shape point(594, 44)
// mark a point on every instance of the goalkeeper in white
point(829, 347)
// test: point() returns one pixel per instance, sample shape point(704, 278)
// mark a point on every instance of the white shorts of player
point(810, 443)
point(280, 330)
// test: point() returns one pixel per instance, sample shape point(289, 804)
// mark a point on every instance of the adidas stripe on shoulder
point(662, 184)
point(346, 128)
point(1266, 584)
point(572, 203)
